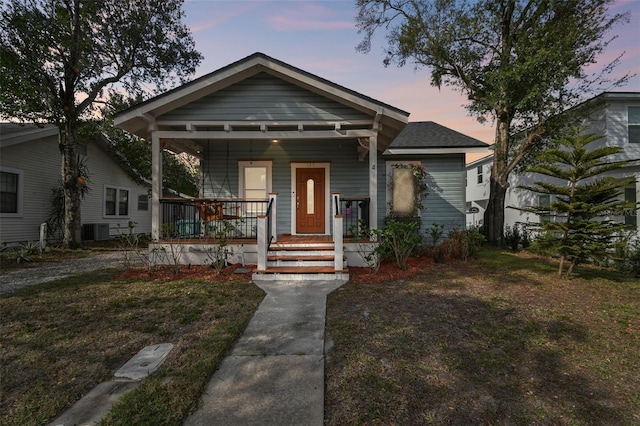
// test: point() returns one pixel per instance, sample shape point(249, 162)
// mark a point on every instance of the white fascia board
point(283, 135)
point(423, 151)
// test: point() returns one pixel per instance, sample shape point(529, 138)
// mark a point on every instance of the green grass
point(59, 340)
point(496, 341)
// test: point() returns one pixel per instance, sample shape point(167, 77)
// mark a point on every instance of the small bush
point(400, 239)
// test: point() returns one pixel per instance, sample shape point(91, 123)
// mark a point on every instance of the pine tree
point(584, 202)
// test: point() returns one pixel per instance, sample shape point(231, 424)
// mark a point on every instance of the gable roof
point(427, 137)
point(16, 133)
point(145, 117)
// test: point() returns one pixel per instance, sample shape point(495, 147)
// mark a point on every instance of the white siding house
point(616, 117)
point(30, 168)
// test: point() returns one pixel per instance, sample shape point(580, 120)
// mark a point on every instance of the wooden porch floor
point(283, 238)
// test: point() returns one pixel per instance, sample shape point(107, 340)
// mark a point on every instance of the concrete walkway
point(275, 373)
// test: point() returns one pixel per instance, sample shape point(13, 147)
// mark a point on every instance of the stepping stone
point(145, 362)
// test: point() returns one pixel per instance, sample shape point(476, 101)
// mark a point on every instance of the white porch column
point(373, 182)
point(273, 199)
point(156, 186)
point(262, 243)
point(338, 243)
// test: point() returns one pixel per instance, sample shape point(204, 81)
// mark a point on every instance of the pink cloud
point(308, 16)
point(215, 17)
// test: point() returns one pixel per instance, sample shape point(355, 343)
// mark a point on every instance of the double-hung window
point(633, 122)
point(254, 184)
point(10, 192)
point(116, 201)
point(480, 175)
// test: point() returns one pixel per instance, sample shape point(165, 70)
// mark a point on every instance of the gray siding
point(347, 175)
point(264, 97)
point(444, 204)
point(39, 161)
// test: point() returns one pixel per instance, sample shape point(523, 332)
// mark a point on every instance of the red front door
point(310, 204)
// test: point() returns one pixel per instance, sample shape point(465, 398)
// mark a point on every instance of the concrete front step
point(307, 273)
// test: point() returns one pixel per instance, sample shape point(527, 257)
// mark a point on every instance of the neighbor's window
point(480, 174)
point(254, 183)
point(116, 201)
point(143, 202)
point(634, 124)
point(631, 218)
point(9, 184)
point(544, 201)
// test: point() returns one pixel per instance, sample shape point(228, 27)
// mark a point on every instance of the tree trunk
point(494, 214)
point(71, 188)
point(498, 184)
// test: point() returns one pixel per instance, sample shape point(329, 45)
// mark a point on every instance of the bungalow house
point(30, 164)
point(291, 164)
point(615, 116)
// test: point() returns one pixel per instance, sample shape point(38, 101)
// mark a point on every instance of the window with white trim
point(480, 176)
point(254, 183)
point(11, 192)
point(116, 201)
point(633, 123)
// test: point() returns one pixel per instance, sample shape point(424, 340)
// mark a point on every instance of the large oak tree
point(59, 57)
point(519, 63)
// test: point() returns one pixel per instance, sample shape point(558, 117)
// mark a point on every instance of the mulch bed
point(362, 275)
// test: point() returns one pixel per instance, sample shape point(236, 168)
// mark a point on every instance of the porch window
point(9, 192)
point(116, 201)
point(254, 183)
point(633, 122)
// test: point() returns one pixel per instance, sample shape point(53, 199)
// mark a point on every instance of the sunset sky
point(320, 37)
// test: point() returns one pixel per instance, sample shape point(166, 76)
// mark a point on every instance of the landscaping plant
point(585, 199)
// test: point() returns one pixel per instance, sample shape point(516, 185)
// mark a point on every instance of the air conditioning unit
point(95, 232)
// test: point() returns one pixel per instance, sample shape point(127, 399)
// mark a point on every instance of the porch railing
point(211, 217)
point(355, 214)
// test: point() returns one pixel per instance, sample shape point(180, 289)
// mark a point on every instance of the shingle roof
point(427, 134)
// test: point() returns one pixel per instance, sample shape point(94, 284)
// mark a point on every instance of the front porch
point(201, 230)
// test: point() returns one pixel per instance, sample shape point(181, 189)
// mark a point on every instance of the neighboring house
point(30, 164)
point(615, 116)
point(267, 132)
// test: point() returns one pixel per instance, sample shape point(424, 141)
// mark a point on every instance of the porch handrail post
point(156, 186)
point(335, 203)
point(335, 208)
point(338, 242)
point(262, 242)
point(273, 198)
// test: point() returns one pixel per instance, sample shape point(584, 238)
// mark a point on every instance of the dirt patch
point(232, 273)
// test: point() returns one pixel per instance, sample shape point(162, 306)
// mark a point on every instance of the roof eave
point(436, 150)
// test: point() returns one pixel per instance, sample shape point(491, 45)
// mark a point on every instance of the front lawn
point(495, 341)
point(59, 340)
